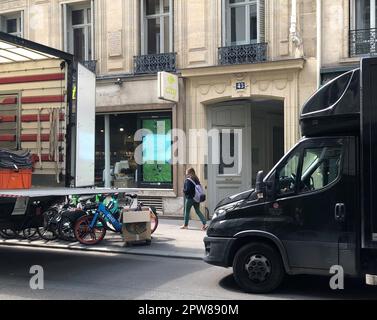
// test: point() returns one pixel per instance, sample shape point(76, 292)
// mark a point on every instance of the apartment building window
point(12, 23)
point(156, 38)
point(363, 32)
point(243, 32)
point(363, 14)
point(156, 26)
point(243, 22)
point(78, 30)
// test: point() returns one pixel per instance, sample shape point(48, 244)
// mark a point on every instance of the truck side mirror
point(260, 186)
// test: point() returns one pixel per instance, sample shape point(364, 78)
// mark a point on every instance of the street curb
point(103, 250)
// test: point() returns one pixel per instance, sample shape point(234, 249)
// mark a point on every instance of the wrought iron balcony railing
point(153, 63)
point(363, 42)
point(243, 54)
point(91, 65)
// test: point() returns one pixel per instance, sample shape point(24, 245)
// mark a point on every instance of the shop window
point(78, 31)
point(156, 26)
point(12, 23)
point(136, 162)
point(156, 169)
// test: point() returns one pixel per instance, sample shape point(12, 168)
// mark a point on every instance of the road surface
point(76, 275)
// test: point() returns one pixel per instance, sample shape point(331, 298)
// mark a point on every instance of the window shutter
point(22, 35)
point(143, 34)
point(261, 21)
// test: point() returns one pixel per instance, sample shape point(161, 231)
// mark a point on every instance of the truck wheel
point(258, 268)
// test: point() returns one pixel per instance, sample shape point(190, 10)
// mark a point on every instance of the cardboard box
point(136, 226)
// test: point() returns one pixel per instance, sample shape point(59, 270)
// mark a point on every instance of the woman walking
point(189, 191)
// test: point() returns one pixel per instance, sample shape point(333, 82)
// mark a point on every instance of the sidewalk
point(167, 241)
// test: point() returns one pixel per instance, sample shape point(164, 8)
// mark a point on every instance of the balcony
point(153, 63)
point(91, 65)
point(243, 54)
point(363, 42)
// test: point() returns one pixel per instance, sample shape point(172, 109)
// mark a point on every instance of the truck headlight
point(222, 211)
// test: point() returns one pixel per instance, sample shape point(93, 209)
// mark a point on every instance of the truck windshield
point(287, 175)
point(320, 168)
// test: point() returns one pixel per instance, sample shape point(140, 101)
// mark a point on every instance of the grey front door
point(229, 168)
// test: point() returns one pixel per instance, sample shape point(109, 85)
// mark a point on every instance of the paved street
point(79, 275)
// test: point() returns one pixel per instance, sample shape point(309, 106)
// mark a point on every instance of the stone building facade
point(242, 64)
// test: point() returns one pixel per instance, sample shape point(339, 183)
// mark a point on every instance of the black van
point(317, 207)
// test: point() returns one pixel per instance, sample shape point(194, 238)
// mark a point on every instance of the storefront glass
point(138, 160)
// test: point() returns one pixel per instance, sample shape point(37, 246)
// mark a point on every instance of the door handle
point(340, 212)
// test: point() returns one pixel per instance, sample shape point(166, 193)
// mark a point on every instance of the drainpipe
point(319, 41)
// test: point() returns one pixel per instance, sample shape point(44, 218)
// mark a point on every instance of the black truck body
point(317, 208)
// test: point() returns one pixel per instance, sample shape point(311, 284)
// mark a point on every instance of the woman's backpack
point(200, 195)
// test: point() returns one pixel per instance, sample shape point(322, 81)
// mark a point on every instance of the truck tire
point(258, 268)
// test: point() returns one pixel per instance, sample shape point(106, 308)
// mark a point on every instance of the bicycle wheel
point(67, 223)
point(154, 220)
point(30, 234)
point(2, 234)
point(49, 230)
point(65, 230)
point(87, 235)
point(9, 234)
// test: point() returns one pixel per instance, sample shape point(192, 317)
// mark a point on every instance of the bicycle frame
point(108, 216)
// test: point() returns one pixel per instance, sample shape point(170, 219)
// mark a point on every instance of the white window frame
point(68, 28)
point(226, 25)
point(144, 26)
point(19, 16)
point(373, 4)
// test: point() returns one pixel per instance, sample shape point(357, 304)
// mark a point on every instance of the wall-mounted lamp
point(119, 82)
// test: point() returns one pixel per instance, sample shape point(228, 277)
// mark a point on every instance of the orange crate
point(11, 179)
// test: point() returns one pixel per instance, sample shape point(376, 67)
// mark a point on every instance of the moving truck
point(317, 208)
point(47, 107)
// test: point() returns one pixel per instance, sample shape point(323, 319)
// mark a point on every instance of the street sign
point(168, 86)
point(241, 85)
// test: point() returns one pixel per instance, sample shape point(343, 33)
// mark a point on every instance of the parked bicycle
point(91, 229)
point(59, 220)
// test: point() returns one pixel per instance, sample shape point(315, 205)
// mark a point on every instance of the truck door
point(85, 127)
point(315, 188)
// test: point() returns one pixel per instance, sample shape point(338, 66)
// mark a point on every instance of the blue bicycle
point(91, 229)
